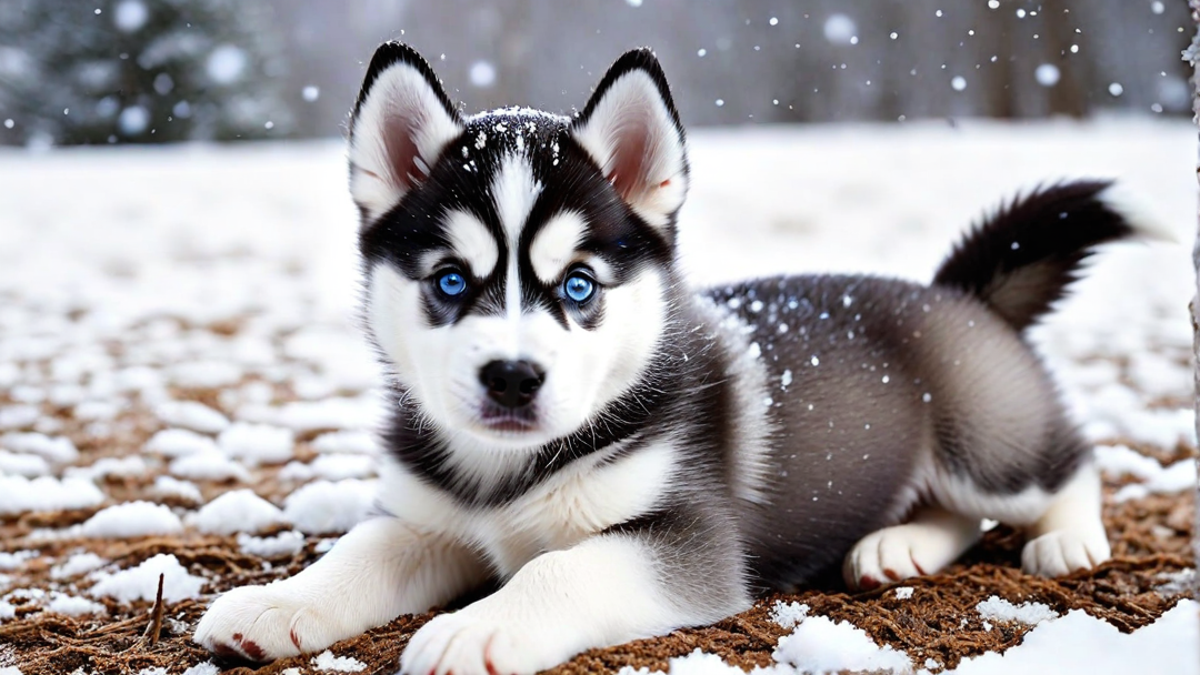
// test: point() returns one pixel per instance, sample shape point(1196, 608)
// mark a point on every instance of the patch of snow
point(109, 466)
point(11, 561)
point(206, 668)
point(790, 614)
point(818, 645)
point(204, 374)
point(999, 609)
point(338, 467)
point(19, 494)
point(352, 442)
point(1078, 643)
point(331, 413)
point(1121, 460)
point(192, 415)
point(131, 519)
point(283, 544)
point(7, 611)
point(297, 472)
point(1160, 427)
point(322, 506)
point(1177, 583)
point(78, 563)
point(257, 443)
point(339, 664)
point(904, 592)
point(166, 486)
point(1178, 477)
point(236, 511)
point(58, 450)
point(22, 464)
point(208, 466)
point(179, 442)
point(71, 605)
point(18, 416)
point(141, 582)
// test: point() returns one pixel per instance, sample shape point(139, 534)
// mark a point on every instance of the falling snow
point(1047, 74)
point(840, 29)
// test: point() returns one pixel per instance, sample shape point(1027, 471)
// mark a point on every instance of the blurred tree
point(139, 71)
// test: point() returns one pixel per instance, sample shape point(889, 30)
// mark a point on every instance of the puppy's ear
point(632, 131)
point(401, 122)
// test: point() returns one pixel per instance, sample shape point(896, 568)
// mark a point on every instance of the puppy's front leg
point(380, 569)
point(609, 589)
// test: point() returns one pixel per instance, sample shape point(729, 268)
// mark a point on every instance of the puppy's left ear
point(632, 131)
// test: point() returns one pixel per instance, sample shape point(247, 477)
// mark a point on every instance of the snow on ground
point(195, 283)
point(326, 661)
point(999, 609)
point(1075, 642)
point(141, 582)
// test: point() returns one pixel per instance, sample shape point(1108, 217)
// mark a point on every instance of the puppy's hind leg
point(930, 540)
point(1070, 534)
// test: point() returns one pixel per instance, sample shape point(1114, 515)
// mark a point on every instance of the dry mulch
point(1151, 537)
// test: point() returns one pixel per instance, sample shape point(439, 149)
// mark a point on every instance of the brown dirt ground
point(1151, 541)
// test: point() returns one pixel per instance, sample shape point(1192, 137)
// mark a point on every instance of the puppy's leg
point(1070, 534)
point(609, 589)
point(380, 569)
point(932, 539)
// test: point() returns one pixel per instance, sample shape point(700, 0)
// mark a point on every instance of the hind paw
point(1061, 552)
point(262, 623)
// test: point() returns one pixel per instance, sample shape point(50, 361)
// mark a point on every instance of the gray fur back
point(869, 381)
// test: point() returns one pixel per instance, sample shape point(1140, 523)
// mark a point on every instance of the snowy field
point(179, 356)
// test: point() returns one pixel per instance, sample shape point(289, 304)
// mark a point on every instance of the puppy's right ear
point(401, 122)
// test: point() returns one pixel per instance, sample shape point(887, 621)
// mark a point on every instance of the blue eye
point(452, 283)
point(579, 287)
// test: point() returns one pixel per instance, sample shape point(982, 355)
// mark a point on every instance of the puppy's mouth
point(508, 420)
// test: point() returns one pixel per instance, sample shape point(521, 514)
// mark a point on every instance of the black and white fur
point(670, 452)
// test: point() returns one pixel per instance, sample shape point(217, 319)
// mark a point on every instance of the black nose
point(512, 384)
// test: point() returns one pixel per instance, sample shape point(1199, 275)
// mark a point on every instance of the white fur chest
point(580, 500)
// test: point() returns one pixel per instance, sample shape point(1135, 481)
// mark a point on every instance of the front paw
point(264, 623)
point(471, 642)
point(1061, 552)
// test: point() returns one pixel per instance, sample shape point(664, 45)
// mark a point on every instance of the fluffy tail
point(1022, 258)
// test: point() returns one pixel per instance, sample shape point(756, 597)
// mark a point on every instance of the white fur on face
point(584, 369)
point(399, 132)
point(514, 192)
point(553, 248)
point(472, 242)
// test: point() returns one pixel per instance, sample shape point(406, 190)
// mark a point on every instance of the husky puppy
point(626, 455)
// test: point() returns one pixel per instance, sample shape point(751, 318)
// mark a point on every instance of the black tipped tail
point(1022, 258)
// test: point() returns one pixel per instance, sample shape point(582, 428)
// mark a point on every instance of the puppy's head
point(517, 263)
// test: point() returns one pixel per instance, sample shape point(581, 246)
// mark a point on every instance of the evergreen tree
point(138, 71)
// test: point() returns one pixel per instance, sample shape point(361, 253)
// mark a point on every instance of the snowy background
point(179, 355)
point(183, 388)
